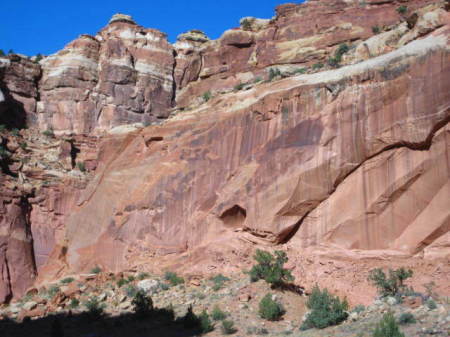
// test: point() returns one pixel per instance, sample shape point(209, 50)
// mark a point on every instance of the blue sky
point(40, 26)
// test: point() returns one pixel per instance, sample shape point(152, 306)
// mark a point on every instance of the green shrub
point(74, 303)
point(205, 322)
point(94, 306)
point(325, 310)
point(38, 58)
point(431, 304)
point(218, 314)
point(402, 9)
point(317, 66)
point(173, 278)
point(207, 96)
point(81, 167)
point(164, 286)
point(142, 304)
point(2, 53)
point(270, 309)
point(359, 308)
point(257, 79)
point(131, 278)
point(143, 276)
point(228, 327)
point(270, 268)
point(219, 281)
point(392, 285)
point(336, 60)
point(376, 30)
point(67, 280)
point(406, 318)
point(131, 290)
point(96, 270)
point(48, 133)
point(387, 327)
point(53, 290)
point(246, 24)
point(239, 86)
point(121, 282)
point(274, 72)
point(300, 70)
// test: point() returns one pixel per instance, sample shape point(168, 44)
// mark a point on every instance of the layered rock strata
point(348, 161)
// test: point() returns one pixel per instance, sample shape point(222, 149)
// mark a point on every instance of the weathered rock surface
point(348, 164)
point(277, 164)
point(122, 75)
point(18, 83)
point(17, 268)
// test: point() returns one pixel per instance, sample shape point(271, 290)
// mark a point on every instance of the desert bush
point(317, 66)
point(121, 282)
point(387, 327)
point(402, 9)
point(74, 303)
point(81, 166)
point(142, 304)
point(94, 306)
point(131, 290)
point(173, 278)
point(96, 270)
point(218, 314)
point(270, 268)
point(390, 285)
point(67, 280)
point(274, 72)
point(325, 310)
point(359, 308)
point(205, 322)
point(336, 60)
point(207, 96)
point(143, 276)
point(228, 327)
point(239, 86)
point(270, 309)
point(53, 290)
point(431, 304)
point(257, 79)
point(406, 318)
point(300, 70)
point(376, 30)
point(2, 53)
point(246, 24)
point(48, 133)
point(218, 281)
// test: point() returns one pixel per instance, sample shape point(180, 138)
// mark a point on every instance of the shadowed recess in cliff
point(234, 216)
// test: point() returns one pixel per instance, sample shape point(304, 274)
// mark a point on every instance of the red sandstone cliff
point(345, 165)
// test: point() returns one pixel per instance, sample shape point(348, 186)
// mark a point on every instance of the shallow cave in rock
point(234, 216)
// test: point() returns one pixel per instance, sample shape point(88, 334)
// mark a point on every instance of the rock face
point(344, 163)
point(17, 268)
point(18, 83)
point(123, 75)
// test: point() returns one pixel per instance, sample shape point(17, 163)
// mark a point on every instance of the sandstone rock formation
point(344, 162)
point(122, 75)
